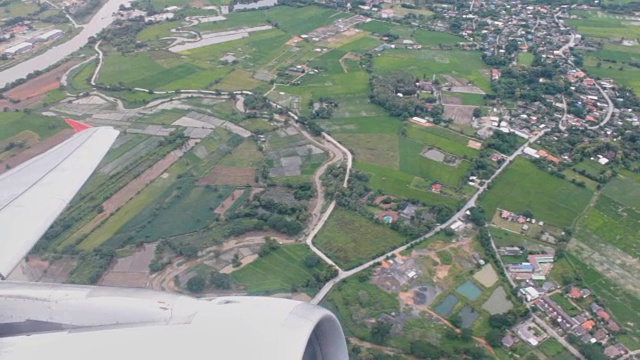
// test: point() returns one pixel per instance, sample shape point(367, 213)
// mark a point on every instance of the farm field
point(442, 138)
point(613, 60)
point(625, 190)
point(351, 239)
point(464, 64)
point(615, 224)
point(395, 162)
point(12, 123)
point(549, 198)
point(278, 271)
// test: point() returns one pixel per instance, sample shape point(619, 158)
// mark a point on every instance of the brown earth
point(226, 175)
point(228, 202)
point(40, 84)
point(36, 150)
point(451, 100)
point(474, 144)
point(459, 114)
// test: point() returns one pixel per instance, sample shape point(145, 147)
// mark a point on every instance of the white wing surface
point(33, 194)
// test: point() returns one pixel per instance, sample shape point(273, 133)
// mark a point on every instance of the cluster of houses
point(520, 219)
point(591, 326)
point(594, 326)
point(26, 46)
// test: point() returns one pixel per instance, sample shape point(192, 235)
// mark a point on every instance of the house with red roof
point(603, 315)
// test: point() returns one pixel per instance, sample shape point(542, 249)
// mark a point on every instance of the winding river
point(103, 18)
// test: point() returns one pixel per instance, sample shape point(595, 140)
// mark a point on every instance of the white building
point(19, 49)
point(51, 35)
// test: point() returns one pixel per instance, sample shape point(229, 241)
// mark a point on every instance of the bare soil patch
point(459, 114)
point(227, 175)
point(451, 100)
point(487, 276)
point(35, 150)
point(228, 202)
point(59, 271)
point(131, 271)
point(40, 84)
point(474, 144)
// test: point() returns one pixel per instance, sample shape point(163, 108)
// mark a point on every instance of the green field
point(12, 123)
point(278, 271)
point(444, 139)
point(624, 190)
point(525, 58)
point(350, 239)
point(180, 209)
point(425, 63)
point(551, 347)
point(612, 61)
point(467, 98)
point(615, 224)
point(413, 163)
point(523, 187)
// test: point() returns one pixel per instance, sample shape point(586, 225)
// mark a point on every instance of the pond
point(447, 305)
point(469, 290)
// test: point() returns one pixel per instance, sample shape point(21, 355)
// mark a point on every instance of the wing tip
point(77, 125)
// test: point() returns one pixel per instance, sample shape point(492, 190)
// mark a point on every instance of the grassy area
point(467, 98)
point(444, 139)
point(624, 190)
point(279, 271)
point(12, 123)
point(615, 224)
point(412, 162)
point(351, 239)
point(523, 187)
point(525, 58)
point(551, 347)
point(398, 183)
point(244, 155)
point(465, 64)
point(445, 257)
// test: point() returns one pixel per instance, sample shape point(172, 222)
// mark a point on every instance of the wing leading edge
point(37, 191)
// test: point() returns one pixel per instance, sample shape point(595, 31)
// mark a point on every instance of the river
point(103, 18)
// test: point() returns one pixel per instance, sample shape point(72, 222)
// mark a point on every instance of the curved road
point(469, 204)
point(103, 18)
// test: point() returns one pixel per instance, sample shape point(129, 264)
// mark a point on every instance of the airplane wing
point(34, 193)
point(89, 322)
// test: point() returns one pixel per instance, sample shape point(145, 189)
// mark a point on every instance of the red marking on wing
point(77, 125)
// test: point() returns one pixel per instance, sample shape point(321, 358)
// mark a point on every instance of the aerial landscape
point(451, 179)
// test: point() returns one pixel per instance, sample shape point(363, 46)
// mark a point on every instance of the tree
point(494, 338)
point(380, 331)
point(220, 281)
point(476, 216)
point(425, 350)
point(196, 284)
point(311, 260)
point(456, 320)
point(477, 112)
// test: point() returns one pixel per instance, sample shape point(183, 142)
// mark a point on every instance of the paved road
point(469, 204)
point(610, 106)
point(555, 335)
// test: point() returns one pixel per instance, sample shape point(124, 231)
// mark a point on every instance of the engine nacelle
point(109, 323)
